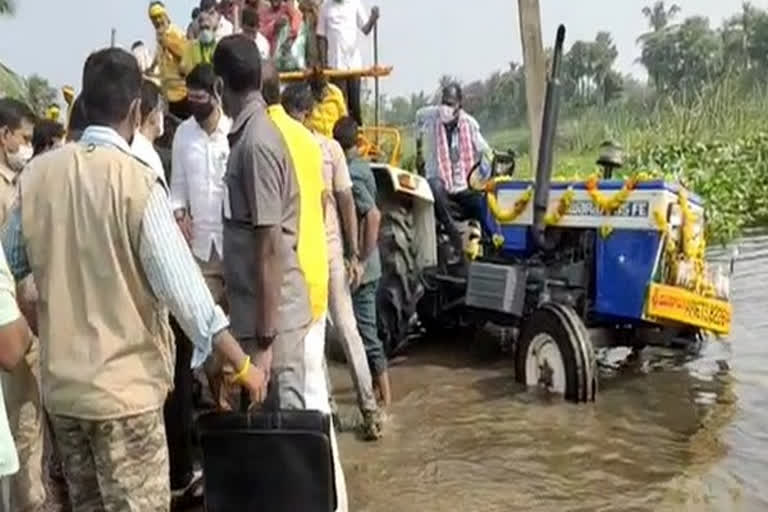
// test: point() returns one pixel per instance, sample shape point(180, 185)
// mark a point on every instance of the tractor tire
point(400, 288)
point(555, 349)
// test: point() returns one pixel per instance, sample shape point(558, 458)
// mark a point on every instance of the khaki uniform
point(21, 389)
point(107, 350)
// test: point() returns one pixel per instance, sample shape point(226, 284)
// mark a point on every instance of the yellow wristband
point(240, 376)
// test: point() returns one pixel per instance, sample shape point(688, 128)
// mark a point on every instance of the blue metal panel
point(624, 267)
point(515, 238)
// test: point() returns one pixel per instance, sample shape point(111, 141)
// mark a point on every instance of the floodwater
point(667, 433)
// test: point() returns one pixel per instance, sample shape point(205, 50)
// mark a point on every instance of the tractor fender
point(405, 182)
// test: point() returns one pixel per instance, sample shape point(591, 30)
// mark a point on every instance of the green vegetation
point(699, 120)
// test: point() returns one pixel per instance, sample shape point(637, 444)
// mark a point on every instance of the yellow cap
point(156, 10)
point(53, 113)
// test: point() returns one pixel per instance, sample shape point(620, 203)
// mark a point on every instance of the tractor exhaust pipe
point(546, 146)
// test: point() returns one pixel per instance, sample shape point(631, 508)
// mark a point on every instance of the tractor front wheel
point(555, 352)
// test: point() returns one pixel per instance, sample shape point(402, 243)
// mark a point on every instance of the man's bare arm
point(349, 225)
point(372, 20)
point(14, 342)
point(370, 235)
point(322, 50)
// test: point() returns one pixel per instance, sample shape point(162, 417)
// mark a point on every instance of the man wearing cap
point(171, 45)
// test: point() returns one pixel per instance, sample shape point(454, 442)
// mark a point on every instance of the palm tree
point(659, 16)
point(7, 7)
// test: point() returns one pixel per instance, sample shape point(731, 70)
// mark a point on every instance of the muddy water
point(667, 433)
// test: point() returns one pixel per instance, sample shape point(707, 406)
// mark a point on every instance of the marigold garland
point(506, 216)
point(563, 205)
point(690, 248)
point(609, 205)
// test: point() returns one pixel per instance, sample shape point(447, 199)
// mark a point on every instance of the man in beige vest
point(21, 387)
point(94, 226)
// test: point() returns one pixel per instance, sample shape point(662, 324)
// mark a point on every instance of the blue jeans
point(364, 302)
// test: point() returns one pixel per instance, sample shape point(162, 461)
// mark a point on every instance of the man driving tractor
point(454, 148)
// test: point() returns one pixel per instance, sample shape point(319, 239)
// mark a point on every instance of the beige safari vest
point(106, 348)
point(7, 192)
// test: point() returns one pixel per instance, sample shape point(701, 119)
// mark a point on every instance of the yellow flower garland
point(609, 205)
point(690, 248)
point(563, 205)
point(506, 216)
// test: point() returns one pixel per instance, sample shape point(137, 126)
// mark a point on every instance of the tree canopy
point(681, 55)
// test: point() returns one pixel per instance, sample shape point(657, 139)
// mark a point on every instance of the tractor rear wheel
point(400, 288)
point(555, 352)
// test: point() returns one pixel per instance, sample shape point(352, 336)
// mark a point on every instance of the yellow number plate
point(671, 303)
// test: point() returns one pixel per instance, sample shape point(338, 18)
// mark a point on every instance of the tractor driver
point(454, 147)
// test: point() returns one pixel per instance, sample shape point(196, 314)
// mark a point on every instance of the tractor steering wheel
point(500, 158)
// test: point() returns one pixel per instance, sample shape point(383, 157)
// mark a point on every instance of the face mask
point(206, 36)
point(201, 111)
point(448, 114)
point(19, 159)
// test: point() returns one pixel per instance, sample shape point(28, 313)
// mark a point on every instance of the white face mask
point(206, 36)
point(447, 114)
point(19, 159)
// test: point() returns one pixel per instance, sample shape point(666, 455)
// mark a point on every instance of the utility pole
point(535, 66)
point(113, 37)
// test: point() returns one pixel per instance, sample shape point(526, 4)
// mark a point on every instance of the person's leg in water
point(364, 300)
point(443, 213)
point(342, 314)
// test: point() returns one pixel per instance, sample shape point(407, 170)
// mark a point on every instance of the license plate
point(679, 305)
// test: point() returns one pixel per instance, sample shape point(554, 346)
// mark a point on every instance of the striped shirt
point(171, 270)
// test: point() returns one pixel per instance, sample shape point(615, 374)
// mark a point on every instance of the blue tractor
point(566, 266)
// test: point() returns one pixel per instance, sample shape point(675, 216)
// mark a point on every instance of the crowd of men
point(136, 268)
point(308, 34)
point(140, 258)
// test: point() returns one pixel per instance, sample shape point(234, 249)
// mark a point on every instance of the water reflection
point(666, 433)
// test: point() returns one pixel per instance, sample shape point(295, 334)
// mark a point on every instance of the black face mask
point(201, 111)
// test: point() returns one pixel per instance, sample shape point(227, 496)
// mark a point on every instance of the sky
point(422, 39)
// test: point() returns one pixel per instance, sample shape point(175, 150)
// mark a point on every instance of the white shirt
point(340, 23)
point(199, 162)
point(223, 29)
point(263, 44)
point(9, 312)
point(144, 150)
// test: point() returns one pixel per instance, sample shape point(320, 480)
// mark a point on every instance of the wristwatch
point(264, 341)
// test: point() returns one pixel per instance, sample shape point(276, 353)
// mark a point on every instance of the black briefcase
point(268, 462)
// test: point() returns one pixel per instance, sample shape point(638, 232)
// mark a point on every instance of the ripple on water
point(665, 435)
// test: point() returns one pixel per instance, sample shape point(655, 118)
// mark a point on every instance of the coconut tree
point(6, 6)
point(659, 16)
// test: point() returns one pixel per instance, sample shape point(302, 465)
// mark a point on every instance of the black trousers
point(178, 413)
point(351, 89)
point(468, 201)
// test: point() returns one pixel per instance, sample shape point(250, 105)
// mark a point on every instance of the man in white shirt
point(338, 23)
point(223, 27)
point(152, 128)
point(250, 24)
point(199, 161)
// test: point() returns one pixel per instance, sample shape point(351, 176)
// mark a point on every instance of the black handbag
point(268, 461)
